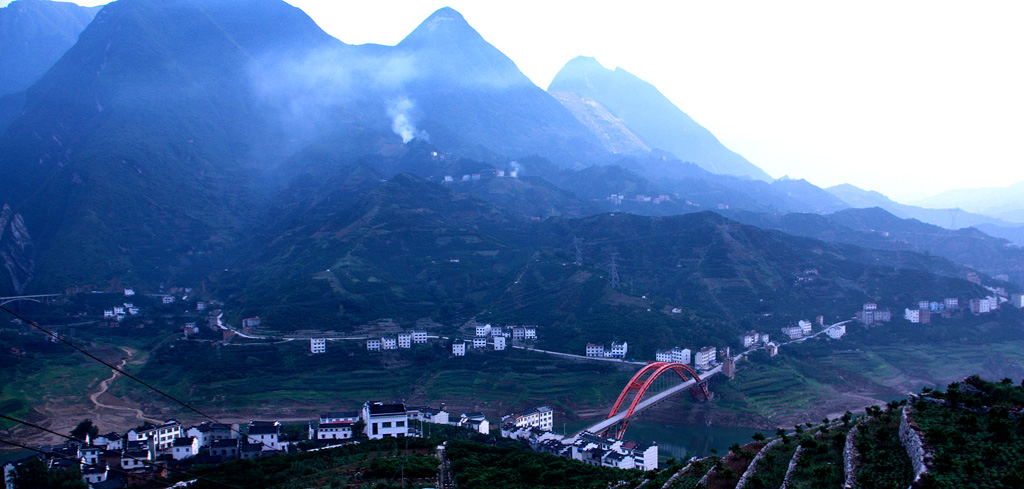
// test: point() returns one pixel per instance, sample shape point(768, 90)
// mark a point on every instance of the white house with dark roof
point(163, 435)
point(185, 447)
point(385, 420)
point(265, 433)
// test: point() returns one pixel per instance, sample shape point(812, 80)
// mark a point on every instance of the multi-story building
point(499, 343)
point(595, 350)
point(483, 329)
point(519, 333)
point(266, 434)
point(912, 315)
point(385, 420)
point(836, 331)
point(680, 355)
point(663, 355)
point(541, 417)
point(705, 357)
point(373, 345)
point(793, 332)
point(459, 349)
point(618, 350)
point(1017, 300)
point(419, 336)
point(952, 303)
point(162, 435)
point(388, 343)
point(405, 340)
point(805, 327)
point(750, 338)
point(530, 332)
point(317, 345)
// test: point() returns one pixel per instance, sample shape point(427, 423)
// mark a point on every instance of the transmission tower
point(615, 271)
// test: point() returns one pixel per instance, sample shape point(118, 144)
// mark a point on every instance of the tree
point(758, 437)
point(85, 428)
point(34, 474)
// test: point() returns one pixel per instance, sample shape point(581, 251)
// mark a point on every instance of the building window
point(386, 424)
point(375, 428)
point(400, 424)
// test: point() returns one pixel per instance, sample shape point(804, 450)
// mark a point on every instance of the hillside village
point(114, 460)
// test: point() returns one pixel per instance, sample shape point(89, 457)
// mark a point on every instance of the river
point(684, 441)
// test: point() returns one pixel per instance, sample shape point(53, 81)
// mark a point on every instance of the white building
point(129, 292)
point(870, 306)
point(793, 332)
point(836, 331)
point(705, 357)
point(483, 329)
point(750, 338)
point(373, 345)
point(499, 343)
point(479, 342)
point(385, 420)
point(912, 315)
point(419, 336)
point(595, 350)
point(497, 331)
point(681, 355)
point(805, 327)
point(265, 433)
point(405, 340)
point(1017, 300)
point(519, 333)
point(663, 356)
point(475, 421)
point(388, 344)
point(530, 332)
point(168, 299)
point(317, 345)
point(185, 447)
point(541, 417)
point(952, 303)
point(341, 430)
point(427, 414)
point(459, 349)
point(618, 350)
point(163, 435)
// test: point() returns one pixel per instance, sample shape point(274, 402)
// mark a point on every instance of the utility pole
point(615, 272)
point(579, 250)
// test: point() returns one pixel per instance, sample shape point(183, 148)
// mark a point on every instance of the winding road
point(104, 385)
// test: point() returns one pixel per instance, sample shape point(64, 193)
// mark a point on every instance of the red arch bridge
point(638, 386)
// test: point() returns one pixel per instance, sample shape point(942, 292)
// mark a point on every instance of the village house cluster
point(142, 453)
point(497, 337)
point(617, 350)
point(385, 343)
point(618, 199)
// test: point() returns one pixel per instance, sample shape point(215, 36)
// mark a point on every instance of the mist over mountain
point(175, 136)
point(34, 34)
point(1000, 202)
point(652, 117)
point(949, 218)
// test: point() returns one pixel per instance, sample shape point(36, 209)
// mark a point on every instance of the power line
point(77, 461)
point(121, 371)
point(147, 462)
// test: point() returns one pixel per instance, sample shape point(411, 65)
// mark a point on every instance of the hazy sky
point(904, 97)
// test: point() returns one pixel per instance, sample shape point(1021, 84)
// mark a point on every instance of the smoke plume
point(400, 111)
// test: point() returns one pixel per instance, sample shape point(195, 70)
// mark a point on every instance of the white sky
point(909, 98)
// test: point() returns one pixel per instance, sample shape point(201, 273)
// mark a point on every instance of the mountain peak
point(445, 26)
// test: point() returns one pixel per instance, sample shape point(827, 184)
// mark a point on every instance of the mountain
point(608, 128)
point(468, 93)
point(409, 249)
point(950, 218)
point(1001, 202)
point(138, 153)
point(651, 116)
point(34, 34)
point(878, 229)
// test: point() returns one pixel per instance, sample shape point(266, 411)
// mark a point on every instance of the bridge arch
point(643, 380)
point(16, 299)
